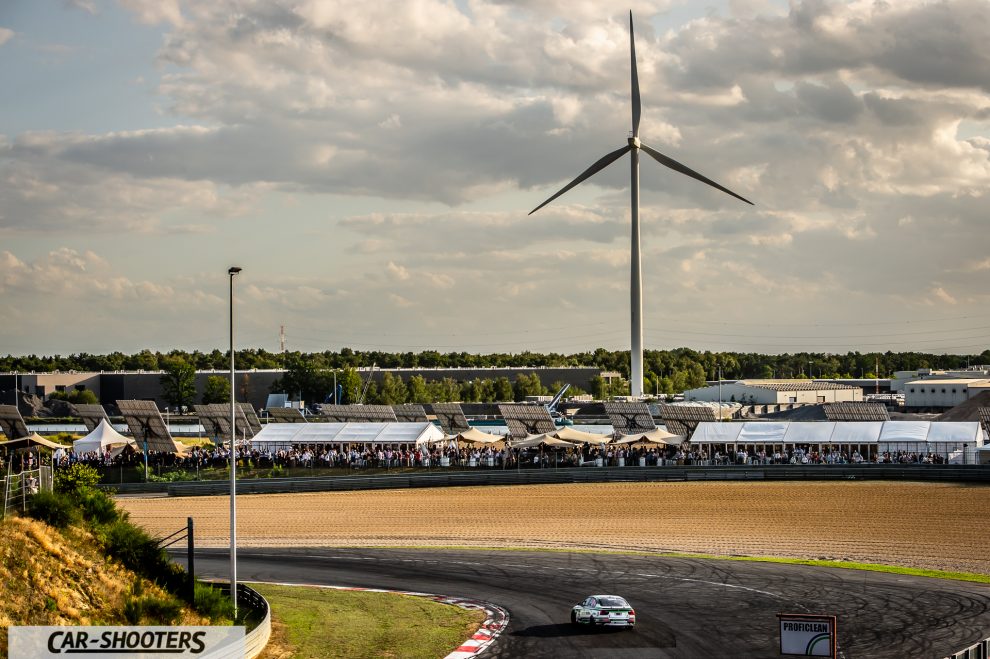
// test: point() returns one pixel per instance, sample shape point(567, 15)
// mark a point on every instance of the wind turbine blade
point(636, 110)
point(591, 171)
point(687, 171)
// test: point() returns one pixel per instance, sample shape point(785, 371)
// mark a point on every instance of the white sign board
point(807, 635)
point(146, 642)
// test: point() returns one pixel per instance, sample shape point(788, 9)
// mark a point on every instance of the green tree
point(418, 391)
point(527, 385)
point(393, 391)
point(503, 389)
point(178, 382)
point(83, 397)
point(217, 390)
point(351, 383)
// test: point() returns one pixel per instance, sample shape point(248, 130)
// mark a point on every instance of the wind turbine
point(636, 272)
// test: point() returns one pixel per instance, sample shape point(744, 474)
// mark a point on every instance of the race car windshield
point(611, 601)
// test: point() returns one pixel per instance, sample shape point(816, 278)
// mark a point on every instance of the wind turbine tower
point(636, 273)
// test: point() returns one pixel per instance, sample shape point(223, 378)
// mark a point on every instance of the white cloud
point(6, 35)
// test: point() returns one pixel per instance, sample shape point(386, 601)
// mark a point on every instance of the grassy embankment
point(77, 560)
point(318, 623)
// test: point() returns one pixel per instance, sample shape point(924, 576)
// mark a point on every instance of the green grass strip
point(845, 565)
point(322, 622)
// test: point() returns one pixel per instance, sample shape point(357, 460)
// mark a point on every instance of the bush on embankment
point(81, 562)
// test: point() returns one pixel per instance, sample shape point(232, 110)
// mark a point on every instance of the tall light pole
point(233, 454)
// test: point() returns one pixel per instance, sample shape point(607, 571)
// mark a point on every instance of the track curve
point(685, 607)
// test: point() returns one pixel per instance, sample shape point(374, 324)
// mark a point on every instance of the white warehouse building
point(942, 392)
point(773, 392)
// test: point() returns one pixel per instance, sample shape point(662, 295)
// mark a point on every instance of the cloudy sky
point(371, 166)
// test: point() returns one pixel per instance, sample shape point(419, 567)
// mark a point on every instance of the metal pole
point(190, 558)
point(636, 283)
point(233, 454)
point(720, 393)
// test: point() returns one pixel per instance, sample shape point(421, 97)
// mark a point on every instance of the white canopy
point(657, 436)
point(102, 436)
point(886, 433)
point(570, 434)
point(541, 440)
point(474, 436)
point(278, 435)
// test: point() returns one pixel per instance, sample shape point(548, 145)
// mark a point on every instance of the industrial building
point(942, 392)
point(773, 392)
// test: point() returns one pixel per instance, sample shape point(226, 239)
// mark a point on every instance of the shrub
point(140, 608)
point(97, 506)
point(212, 602)
point(138, 551)
point(53, 509)
point(74, 477)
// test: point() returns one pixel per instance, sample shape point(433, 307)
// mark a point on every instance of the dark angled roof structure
point(12, 423)
point(91, 414)
point(212, 421)
point(684, 419)
point(629, 418)
point(795, 385)
point(856, 411)
point(285, 415)
point(247, 416)
point(409, 413)
point(451, 417)
point(985, 419)
point(147, 425)
point(525, 420)
point(356, 413)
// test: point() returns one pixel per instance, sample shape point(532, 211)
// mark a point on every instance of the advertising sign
point(807, 635)
point(201, 642)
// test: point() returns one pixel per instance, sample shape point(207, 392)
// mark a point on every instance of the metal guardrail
point(940, 473)
point(978, 650)
point(258, 620)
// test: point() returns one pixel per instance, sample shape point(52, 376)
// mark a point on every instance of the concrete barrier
point(938, 473)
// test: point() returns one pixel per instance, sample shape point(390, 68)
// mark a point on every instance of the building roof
point(794, 385)
point(969, 381)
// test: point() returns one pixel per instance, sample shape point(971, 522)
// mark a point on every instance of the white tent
point(103, 436)
point(810, 433)
point(474, 436)
point(284, 435)
point(756, 432)
point(712, 432)
point(655, 437)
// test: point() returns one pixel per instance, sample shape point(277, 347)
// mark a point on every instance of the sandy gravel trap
point(927, 525)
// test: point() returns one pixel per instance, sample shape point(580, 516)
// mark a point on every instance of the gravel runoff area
point(925, 525)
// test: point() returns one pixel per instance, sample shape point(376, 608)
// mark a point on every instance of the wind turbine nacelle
point(634, 142)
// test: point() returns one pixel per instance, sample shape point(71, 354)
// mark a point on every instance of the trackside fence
point(258, 618)
point(943, 473)
point(978, 650)
point(18, 488)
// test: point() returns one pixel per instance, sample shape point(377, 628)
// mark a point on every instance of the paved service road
point(684, 607)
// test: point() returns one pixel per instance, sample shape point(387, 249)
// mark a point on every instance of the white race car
point(605, 610)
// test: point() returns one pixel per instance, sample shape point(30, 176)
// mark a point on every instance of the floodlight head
point(233, 271)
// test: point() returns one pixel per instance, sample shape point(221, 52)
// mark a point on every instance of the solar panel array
point(249, 417)
point(91, 414)
point(285, 415)
point(683, 419)
point(629, 418)
point(356, 413)
point(214, 421)
point(147, 425)
point(12, 423)
point(451, 417)
point(985, 418)
point(523, 420)
point(850, 411)
point(410, 413)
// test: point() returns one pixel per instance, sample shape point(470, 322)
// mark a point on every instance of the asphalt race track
point(684, 607)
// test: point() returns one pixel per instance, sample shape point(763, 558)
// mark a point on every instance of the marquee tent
point(475, 436)
point(941, 437)
point(655, 437)
point(102, 436)
point(569, 434)
point(32, 440)
point(285, 435)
